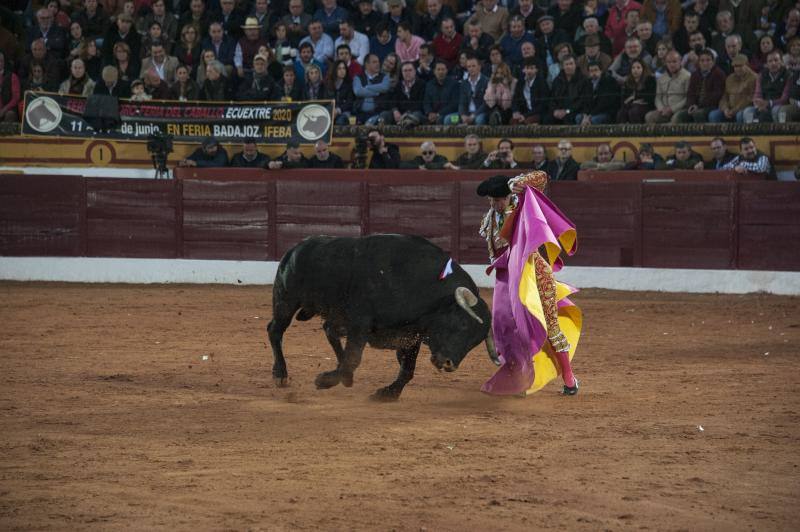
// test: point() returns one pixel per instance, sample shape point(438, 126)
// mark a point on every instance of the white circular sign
point(43, 114)
point(313, 121)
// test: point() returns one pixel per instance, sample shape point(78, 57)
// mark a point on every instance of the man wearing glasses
point(428, 159)
point(563, 167)
point(55, 38)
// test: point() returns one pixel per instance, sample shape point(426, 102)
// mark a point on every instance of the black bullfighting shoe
point(571, 390)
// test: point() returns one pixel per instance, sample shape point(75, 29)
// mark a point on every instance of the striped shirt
point(759, 165)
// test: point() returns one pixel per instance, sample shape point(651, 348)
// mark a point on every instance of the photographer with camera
point(384, 155)
point(209, 155)
point(503, 157)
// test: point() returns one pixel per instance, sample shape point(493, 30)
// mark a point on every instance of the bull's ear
point(466, 300)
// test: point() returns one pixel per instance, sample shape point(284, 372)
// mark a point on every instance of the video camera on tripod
point(159, 146)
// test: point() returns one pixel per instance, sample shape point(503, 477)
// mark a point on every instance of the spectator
point(529, 12)
point(772, 91)
point(425, 63)
point(405, 101)
point(738, 95)
point(503, 157)
point(603, 160)
point(766, 45)
point(55, 38)
point(671, 89)
point(158, 13)
point(383, 42)
point(188, 50)
point(538, 159)
point(495, 60)
point(791, 112)
point(305, 58)
point(563, 167)
point(705, 11)
point(296, 22)
point(330, 15)
point(224, 46)
point(791, 59)
point(684, 158)
point(230, 17)
point(430, 21)
point(371, 89)
point(789, 29)
point(247, 47)
point(622, 64)
point(111, 85)
point(185, 88)
point(358, 42)
point(313, 85)
point(751, 161)
point(476, 41)
point(706, 86)
point(600, 98)
point(257, 84)
point(366, 20)
point(324, 158)
point(36, 79)
point(592, 53)
point(197, 16)
point(649, 41)
point(567, 16)
point(638, 94)
point(720, 156)
point(397, 14)
point(471, 106)
point(567, 93)
point(511, 42)
point(427, 159)
point(628, 31)
point(591, 29)
point(290, 88)
point(321, 41)
point(138, 93)
point(340, 87)
point(292, 158)
point(353, 68)
point(54, 68)
point(697, 43)
point(265, 18)
point(249, 157)
point(617, 13)
point(154, 34)
point(94, 20)
point(163, 64)
point(659, 63)
point(732, 48)
point(724, 29)
point(447, 42)
point(209, 155)
point(499, 96)
point(664, 15)
point(548, 38)
point(407, 45)
point(121, 31)
point(78, 83)
point(76, 40)
point(391, 67)
point(384, 155)
point(440, 98)
point(473, 156)
point(530, 96)
point(206, 57)
point(155, 86)
point(215, 86)
point(646, 159)
point(91, 58)
point(493, 18)
point(9, 92)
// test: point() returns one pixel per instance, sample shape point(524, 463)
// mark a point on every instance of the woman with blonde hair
point(391, 67)
point(188, 50)
point(78, 83)
point(206, 57)
point(314, 87)
point(499, 95)
point(127, 66)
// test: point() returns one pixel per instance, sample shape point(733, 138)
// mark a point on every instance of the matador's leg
point(546, 284)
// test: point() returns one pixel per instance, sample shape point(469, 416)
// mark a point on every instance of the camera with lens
point(159, 146)
point(362, 144)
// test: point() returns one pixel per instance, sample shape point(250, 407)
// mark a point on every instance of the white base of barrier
point(145, 271)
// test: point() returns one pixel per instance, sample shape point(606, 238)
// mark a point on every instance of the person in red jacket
point(9, 92)
point(615, 24)
point(706, 87)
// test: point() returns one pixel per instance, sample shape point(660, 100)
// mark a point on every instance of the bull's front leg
point(407, 357)
point(347, 364)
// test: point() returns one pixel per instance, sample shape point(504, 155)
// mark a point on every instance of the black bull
point(383, 290)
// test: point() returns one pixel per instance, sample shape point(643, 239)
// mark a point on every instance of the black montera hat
point(495, 187)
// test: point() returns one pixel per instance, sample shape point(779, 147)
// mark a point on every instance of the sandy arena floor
point(112, 418)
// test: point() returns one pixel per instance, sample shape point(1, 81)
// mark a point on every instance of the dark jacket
point(121, 89)
point(261, 160)
point(132, 39)
point(540, 97)
point(713, 164)
point(711, 86)
point(203, 160)
point(214, 90)
point(344, 96)
point(333, 161)
point(295, 93)
point(437, 163)
point(646, 92)
point(257, 88)
point(440, 98)
point(485, 42)
point(466, 94)
point(602, 99)
point(226, 51)
point(398, 99)
point(568, 94)
point(390, 159)
point(466, 161)
point(290, 165)
point(190, 93)
point(568, 172)
point(688, 164)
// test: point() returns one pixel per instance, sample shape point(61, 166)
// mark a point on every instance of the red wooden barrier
point(258, 215)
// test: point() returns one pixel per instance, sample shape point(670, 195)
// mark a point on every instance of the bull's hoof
point(281, 382)
point(328, 379)
point(385, 395)
point(347, 380)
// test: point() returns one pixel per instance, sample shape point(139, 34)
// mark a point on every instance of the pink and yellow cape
point(518, 321)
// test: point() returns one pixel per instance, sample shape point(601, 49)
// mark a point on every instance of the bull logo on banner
point(313, 121)
point(43, 114)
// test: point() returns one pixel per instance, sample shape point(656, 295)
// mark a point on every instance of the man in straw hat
point(536, 327)
point(247, 47)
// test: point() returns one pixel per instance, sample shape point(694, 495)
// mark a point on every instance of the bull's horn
point(491, 349)
point(466, 300)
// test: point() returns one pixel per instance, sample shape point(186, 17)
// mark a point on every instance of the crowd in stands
point(412, 62)
point(563, 167)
